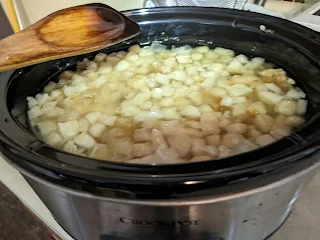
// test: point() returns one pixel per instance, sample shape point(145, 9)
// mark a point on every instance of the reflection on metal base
point(272, 234)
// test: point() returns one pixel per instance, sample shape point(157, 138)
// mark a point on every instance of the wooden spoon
point(68, 32)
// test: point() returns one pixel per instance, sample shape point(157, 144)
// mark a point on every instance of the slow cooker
point(244, 197)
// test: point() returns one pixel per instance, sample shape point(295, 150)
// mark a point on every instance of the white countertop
point(14, 181)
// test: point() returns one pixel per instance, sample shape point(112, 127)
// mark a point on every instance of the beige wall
point(31, 11)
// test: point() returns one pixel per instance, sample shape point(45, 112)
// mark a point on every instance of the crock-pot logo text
point(157, 223)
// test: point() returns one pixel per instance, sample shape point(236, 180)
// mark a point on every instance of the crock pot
point(244, 197)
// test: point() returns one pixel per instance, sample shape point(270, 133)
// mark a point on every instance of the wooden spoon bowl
point(68, 32)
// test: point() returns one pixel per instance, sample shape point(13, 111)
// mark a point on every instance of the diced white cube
point(302, 107)
point(70, 147)
point(34, 112)
point(48, 107)
point(171, 114)
point(83, 125)
point(163, 79)
point(142, 116)
point(184, 59)
point(84, 140)
point(145, 115)
point(219, 92)
point(238, 109)
point(166, 102)
point(202, 49)
point(97, 129)
point(257, 62)
point(239, 90)
point(55, 93)
point(54, 139)
point(69, 91)
point(178, 75)
point(209, 74)
point(242, 59)
point(100, 57)
point(224, 51)
point(47, 127)
point(208, 83)
point(105, 67)
point(42, 98)
point(205, 108)
point(269, 97)
point(81, 87)
point(264, 140)
point(170, 62)
point(146, 105)
point(274, 88)
point(223, 83)
point(296, 93)
point(196, 56)
point(32, 102)
point(167, 90)
point(226, 101)
point(130, 111)
point(98, 82)
point(132, 57)
point(196, 98)
point(122, 65)
point(235, 67)
point(191, 112)
point(50, 87)
point(157, 93)
point(69, 129)
point(93, 117)
point(108, 120)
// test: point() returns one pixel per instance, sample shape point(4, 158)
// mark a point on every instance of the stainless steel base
point(250, 215)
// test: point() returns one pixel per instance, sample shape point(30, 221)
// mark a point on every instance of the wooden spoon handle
point(22, 49)
point(28, 47)
point(68, 32)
